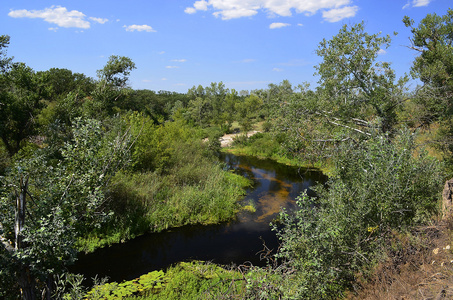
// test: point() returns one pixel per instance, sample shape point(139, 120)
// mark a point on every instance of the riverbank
point(197, 193)
point(228, 139)
point(266, 146)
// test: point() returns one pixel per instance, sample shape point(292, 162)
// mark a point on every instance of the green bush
point(378, 186)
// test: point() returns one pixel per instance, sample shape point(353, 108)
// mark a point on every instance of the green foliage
point(20, 92)
point(60, 82)
point(267, 126)
point(262, 145)
point(432, 40)
point(65, 199)
point(358, 97)
point(69, 287)
point(4, 60)
point(351, 77)
point(191, 280)
point(149, 283)
point(377, 187)
point(197, 280)
point(158, 146)
point(246, 110)
point(116, 71)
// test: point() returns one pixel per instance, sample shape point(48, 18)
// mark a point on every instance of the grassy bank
point(149, 202)
point(268, 146)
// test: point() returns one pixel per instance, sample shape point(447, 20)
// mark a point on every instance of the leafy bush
point(378, 187)
point(267, 126)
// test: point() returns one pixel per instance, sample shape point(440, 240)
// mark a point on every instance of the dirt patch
point(227, 139)
point(420, 269)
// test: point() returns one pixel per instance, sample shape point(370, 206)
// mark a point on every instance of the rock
point(447, 199)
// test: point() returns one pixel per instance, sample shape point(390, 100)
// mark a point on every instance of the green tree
point(111, 88)
point(200, 110)
point(358, 96)
point(63, 81)
point(5, 62)
point(20, 95)
point(65, 94)
point(216, 94)
point(432, 39)
point(116, 71)
point(247, 110)
point(229, 111)
point(358, 92)
point(45, 205)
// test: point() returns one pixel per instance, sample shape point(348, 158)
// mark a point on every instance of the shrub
point(378, 186)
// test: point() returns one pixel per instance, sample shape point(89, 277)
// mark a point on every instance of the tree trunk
point(26, 283)
point(25, 279)
point(20, 211)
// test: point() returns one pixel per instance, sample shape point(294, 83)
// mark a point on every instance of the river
point(238, 241)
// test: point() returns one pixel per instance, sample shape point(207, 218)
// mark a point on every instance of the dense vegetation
point(88, 162)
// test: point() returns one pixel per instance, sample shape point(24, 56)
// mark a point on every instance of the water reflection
point(237, 241)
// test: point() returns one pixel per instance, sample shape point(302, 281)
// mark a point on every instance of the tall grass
point(150, 202)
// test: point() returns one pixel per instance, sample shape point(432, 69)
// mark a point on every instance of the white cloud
point(300, 24)
point(163, 78)
point(179, 60)
point(58, 15)
point(146, 80)
point(171, 67)
point(338, 14)
point(54, 29)
point(235, 13)
point(277, 69)
point(418, 3)
point(190, 10)
point(231, 9)
point(55, 15)
point(146, 28)
point(99, 20)
point(201, 5)
point(161, 52)
point(382, 52)
point(278, 25)
point(248, 60)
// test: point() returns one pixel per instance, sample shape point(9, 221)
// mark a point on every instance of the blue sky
point(177, 44)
